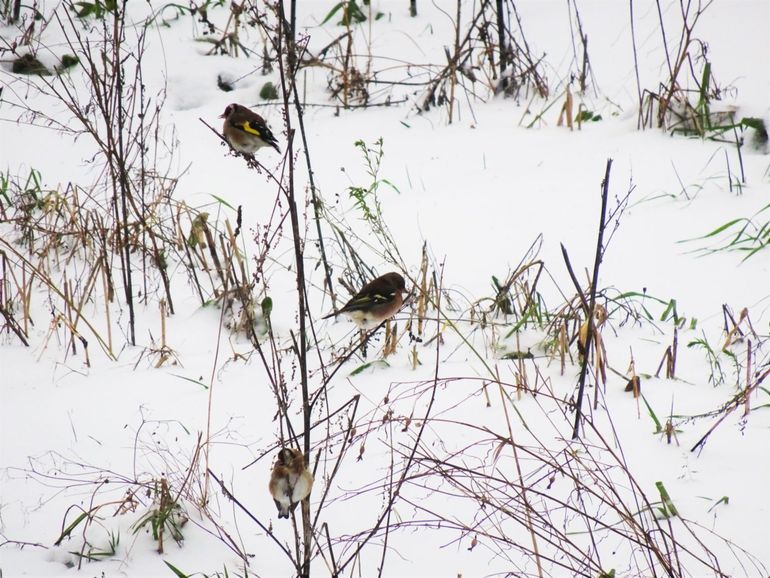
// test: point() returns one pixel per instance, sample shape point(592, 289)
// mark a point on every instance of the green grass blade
point(176, 570)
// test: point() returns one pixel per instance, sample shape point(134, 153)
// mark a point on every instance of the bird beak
point(223, 115)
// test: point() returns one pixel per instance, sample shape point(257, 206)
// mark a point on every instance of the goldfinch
point(246, 131)
point(379, 300)
point(290, 481)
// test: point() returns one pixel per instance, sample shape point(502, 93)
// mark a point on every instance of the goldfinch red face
point(227, 112)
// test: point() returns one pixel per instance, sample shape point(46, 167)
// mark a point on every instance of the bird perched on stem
point(245, 130)
point(377, 301)
point(290, 481)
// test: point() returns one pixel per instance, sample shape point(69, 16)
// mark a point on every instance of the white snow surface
point(477, 192)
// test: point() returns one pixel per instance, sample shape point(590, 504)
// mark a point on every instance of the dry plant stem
point(300, 264)
point(522, 485)
point(13, 324)
point(640, 115)
point(119, 118)
point(501, 37)
point(656, 543)
point(644, 535)
point(747, 403)
point(394, 493)
point(210, 404)
point(453, 63)
point(740, 400)
point(585, 65)
point(279, 392)
point(317, 203)
point(663, 35)
point(331, 550)
point(342, 451)
point(592, 301)
point(270, 449)
point(53, 286)
point(391, 471)
point(361, 344)
point(290, 30)
point(683, 54)
point(243, 508)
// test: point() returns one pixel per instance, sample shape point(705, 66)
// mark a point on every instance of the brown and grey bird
point(377, 301)
point(245, 130)
point(290, 481)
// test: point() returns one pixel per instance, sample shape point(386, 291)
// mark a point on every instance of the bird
point(245, 130)
point(377, 301)
point(290, 481)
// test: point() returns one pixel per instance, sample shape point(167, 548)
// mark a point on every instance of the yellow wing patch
point(248, 127)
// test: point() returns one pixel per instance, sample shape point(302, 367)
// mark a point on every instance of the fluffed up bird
point(379, 300)
point(246, 131)
point(290, 482)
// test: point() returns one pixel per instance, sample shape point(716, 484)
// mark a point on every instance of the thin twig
point(592, 302)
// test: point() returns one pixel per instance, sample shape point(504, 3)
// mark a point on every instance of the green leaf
point(374, 364)
point(670, 310)
point(352, 14)
point(191, 380)
point(176, 570)
point(587, 115)
point(85, 9)
point(332, 12)
point(267, 307)
point(222, 201)
point(752, 122)
point(721, 228)
point(669, 509)
point(69, 60)
point(515, 355)
point(658, 427)
point(68, 530)
point(268, 91)
point(723, 500)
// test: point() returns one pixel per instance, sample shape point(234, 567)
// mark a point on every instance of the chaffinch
point(379, 300)
point(245, 130)
point(290, 481)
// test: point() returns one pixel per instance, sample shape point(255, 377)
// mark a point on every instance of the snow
point(79, 433)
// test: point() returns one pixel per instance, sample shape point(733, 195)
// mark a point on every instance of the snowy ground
point(478, 192)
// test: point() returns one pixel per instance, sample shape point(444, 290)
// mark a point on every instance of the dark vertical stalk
point(289, 27)
point(293, 23)
point(288, 77)
point(592, 302)
point(118, 158)
point(501, 37)
point(412, 8)
point(317, 204)
point(291, 45)
point(639, 121)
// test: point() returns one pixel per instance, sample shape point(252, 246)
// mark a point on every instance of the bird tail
point(283, 512)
